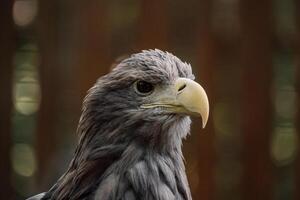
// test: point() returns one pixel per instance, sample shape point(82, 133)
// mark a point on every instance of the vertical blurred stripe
point(256, 113)
point(297, 122)
point(75, 51)
point(91, 33)
point(7, 41)
point(51, 79)
point(152, 30)
point(206, 65)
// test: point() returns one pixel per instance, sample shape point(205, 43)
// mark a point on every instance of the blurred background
point(245, 53)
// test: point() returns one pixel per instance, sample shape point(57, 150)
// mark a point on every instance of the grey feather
point(125, 152)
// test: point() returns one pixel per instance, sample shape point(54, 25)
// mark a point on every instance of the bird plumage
point(126, 152)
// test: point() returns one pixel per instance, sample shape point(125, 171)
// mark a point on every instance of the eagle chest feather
point(153, 177)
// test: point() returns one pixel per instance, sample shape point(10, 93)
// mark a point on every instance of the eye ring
point(143, 87)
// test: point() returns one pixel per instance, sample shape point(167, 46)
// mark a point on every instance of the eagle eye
point(143, 87)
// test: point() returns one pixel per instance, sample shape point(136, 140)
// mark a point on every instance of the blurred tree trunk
point(74, 46)
point(50, 71)
point(206, 57)
point(91, 45)
point(226, 108)
point(297, 122)
point(256, 60)
point(7, 40)
point(153, 25)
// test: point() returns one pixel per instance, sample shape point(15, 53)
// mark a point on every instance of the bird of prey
point(131, 129)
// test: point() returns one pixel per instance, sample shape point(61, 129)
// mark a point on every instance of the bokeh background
point(245, 53)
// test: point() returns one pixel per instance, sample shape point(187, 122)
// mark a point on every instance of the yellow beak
point(185, 96)
point(193, 98)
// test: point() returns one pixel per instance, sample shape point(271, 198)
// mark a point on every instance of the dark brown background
point(245, 53)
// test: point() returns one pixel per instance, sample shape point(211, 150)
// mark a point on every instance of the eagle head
point(142, 98)
point(132, 124)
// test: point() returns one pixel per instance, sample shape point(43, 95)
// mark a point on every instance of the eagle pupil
point(144, 87)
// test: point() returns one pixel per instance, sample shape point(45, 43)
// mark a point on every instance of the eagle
point(130, 131)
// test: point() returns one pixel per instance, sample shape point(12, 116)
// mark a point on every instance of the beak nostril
point(181, 87)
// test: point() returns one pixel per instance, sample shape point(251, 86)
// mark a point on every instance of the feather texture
point(124, 152)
